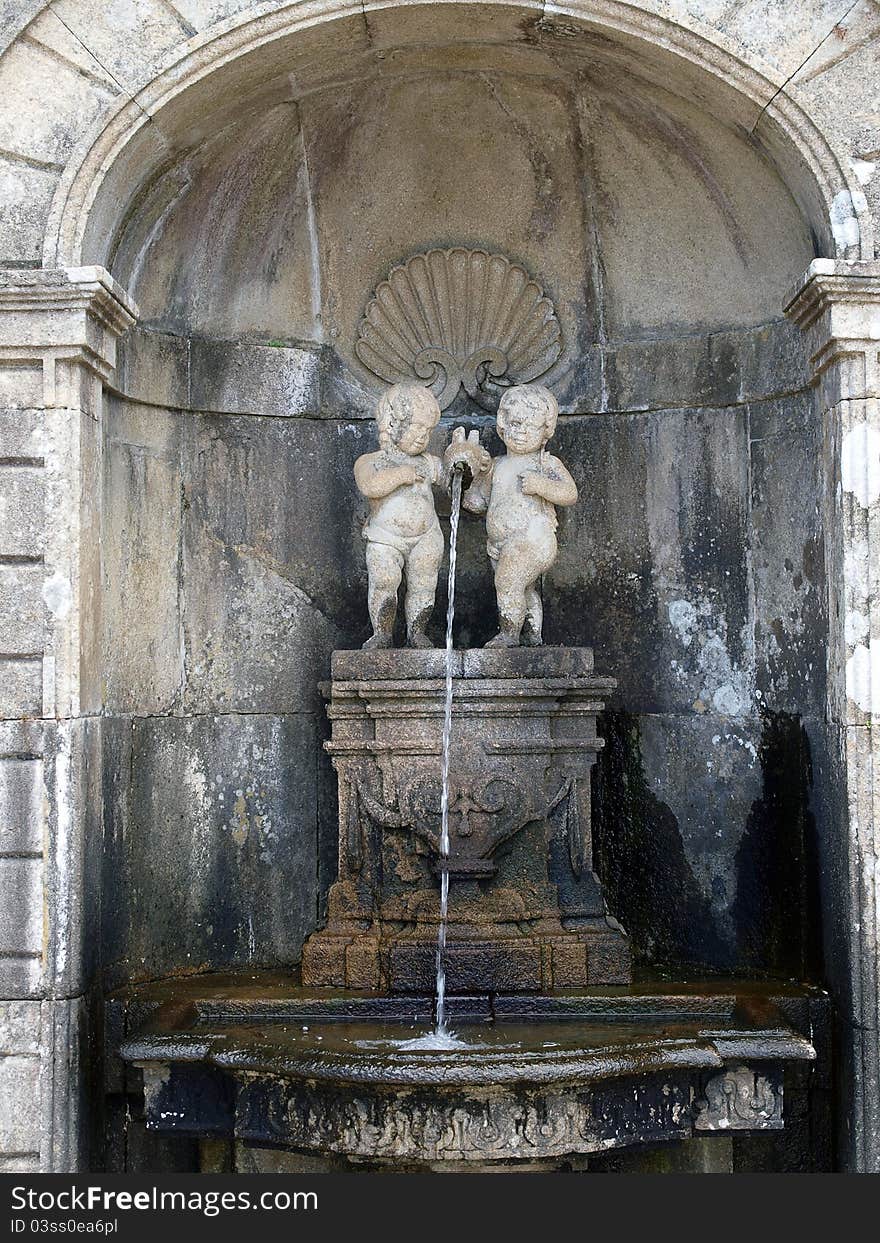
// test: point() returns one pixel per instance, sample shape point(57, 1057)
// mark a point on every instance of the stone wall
point(233, 563)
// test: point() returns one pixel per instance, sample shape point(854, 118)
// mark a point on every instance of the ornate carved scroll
point(739, 1099)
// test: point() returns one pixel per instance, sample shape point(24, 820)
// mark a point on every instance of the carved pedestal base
point(526, 910)
point(597, 954)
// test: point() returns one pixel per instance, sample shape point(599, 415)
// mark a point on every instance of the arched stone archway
point(242, 57)
point(58, 354)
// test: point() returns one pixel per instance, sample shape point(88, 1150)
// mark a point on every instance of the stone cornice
point(829, 284)
point(88, 289)
point(66, 321)
point(837, 307)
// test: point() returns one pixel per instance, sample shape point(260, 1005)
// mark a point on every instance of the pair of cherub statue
point(517, 492)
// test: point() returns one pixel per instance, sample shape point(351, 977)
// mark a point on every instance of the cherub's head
point(406, 415)
point(527, 417)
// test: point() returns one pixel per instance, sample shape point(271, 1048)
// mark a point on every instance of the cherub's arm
point(553, 483)
point(437, 473)
point(375, 481)
point(476, 499)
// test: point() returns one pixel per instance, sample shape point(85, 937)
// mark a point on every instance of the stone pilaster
point(58, 332)
point(837, 305)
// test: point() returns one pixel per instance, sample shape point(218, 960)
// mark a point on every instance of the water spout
point(441, 1029)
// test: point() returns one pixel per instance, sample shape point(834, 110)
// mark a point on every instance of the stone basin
point(537, 1077)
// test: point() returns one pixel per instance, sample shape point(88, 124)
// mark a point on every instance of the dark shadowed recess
point(649, 884)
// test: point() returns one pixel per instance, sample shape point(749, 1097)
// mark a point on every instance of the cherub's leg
point(512, 577)
point(384, 571)
point(532, 626)
point(422, 568)
point(521, 562)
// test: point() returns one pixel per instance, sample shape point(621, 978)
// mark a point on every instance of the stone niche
point(694, 563)
point(525, 907)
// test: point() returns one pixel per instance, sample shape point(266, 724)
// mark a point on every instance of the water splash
point(440, 1030)
point(437, 1041)
point(428, 1042)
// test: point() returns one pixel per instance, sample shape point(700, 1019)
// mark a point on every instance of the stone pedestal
point(525, 908)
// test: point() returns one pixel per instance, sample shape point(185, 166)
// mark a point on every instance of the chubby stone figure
point(403, 534)
point(518, 493)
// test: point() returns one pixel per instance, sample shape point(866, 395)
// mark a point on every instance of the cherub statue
point(403, 534)
point(518, 493)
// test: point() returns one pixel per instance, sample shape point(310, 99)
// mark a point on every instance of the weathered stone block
point(501, 964)
point(52, 36)
point(528, 662)
point(21, 976)
point(21, 739)
point(238, 378)
point(22, 611)
point(639, 373)
point(154, 367)
point(21, 687)
point(22, 494)
point(21, 905)
point(45, 102)
point(200, 815)
point(788, 554)
point(324, 958)
point(505, 663)
point(271, 561)
point(129, 39)
point(653, 567)
point(393, 663)
point(20, 1027)
point(20, 387)
point(609, 957)
point(22, 432)
point(362, 964)
point(21, 806)
point(721, 368)
point(569, 964)
point(143, 668)
point(27, 195)
point(770, 361)
point(20, 1115)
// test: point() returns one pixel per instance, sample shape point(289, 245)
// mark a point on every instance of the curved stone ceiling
point(800, 86)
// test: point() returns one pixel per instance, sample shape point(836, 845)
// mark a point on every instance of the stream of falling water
point(440, 1029)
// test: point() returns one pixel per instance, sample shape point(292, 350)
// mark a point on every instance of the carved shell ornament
point(459, 317)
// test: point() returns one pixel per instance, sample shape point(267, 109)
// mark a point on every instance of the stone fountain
point(464, 823)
